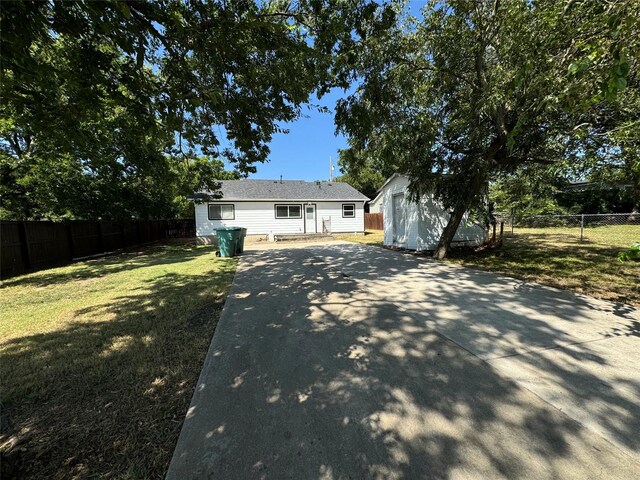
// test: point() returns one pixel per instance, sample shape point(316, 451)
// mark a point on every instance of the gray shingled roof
point(288, 190)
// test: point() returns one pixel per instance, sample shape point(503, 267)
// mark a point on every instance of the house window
point(348, 210)
point(288, 211)
point(221, 212)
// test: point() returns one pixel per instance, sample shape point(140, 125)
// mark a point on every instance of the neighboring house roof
point(288, 190)
point(588, 185)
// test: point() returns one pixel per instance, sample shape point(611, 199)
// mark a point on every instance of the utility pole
point(330, 169)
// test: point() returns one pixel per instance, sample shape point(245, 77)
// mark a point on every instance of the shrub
point(632, 253)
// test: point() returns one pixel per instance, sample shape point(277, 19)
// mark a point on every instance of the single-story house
point(280, 207)
point(418, 225)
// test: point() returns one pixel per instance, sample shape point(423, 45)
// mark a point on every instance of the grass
point(99, 360)
point(371, 237)
point(556, 257)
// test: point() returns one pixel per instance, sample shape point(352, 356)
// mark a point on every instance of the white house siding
point(333, 210)
point(259, 218)
point(375, 205)
point(424, 221)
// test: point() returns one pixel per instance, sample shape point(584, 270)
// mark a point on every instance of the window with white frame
point(221, 212)
point(288, 211)
point(348, 210)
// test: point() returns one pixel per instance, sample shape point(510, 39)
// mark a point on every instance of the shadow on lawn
point(336, 381)
point(158, 255)
point(106, 398)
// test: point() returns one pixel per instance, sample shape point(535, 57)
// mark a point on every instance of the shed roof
point(381, 189)
point(288, 190)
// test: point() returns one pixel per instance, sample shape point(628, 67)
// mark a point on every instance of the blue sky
point(303, 153)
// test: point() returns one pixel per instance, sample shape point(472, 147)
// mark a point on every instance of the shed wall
point(425, 220)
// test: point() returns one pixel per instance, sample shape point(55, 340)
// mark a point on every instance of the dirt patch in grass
point(99, 360)
point(558, 259)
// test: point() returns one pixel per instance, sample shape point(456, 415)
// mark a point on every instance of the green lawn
point(611, 235)
point(99, 360)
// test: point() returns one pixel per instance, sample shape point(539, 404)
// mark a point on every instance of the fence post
point(24, 241)
point(501, 229)
point(494, 231)
point(581, 227)
point(71, 240)
point(100, 237)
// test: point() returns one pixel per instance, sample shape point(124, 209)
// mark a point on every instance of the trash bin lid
point(229, 229)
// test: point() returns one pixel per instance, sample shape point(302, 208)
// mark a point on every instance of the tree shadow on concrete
point(356, 362)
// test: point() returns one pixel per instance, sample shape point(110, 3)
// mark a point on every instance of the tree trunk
point(450, 230)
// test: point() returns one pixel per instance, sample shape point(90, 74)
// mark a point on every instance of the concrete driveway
point(347, 361)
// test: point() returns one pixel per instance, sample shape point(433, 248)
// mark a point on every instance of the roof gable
point(384, 185)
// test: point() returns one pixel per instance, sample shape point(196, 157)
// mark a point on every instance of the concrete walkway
point(347, 361)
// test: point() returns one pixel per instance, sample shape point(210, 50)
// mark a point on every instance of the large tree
point(97, 94)
point(478, 89)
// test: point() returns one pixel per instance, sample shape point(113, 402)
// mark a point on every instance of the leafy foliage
point(366, 180)
point(530, 191)
point(605, 44)
point(478, 90)
point(606, 145)
point(632, 253)
point(544, 191)
point(108, 98)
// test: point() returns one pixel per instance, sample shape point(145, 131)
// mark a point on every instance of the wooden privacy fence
point(373, 221)
point(29, 246)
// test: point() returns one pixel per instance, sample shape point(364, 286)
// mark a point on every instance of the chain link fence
point(616, 229)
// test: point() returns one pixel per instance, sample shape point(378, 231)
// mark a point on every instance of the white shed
point(418, 225)
point(282, 207)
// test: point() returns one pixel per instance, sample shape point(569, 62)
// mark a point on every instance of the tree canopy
point(119, 100)
point(477, 90)
point(115, 108)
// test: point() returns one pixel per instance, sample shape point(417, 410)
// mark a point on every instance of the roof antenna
point(280, 178)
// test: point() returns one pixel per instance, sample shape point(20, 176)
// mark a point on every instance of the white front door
point(310, 219)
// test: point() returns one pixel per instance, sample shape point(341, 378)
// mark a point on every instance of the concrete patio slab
point(595, 383)
point(488, 314)
point(347, 361)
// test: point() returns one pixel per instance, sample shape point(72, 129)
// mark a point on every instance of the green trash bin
point(243, 234)
point(228, 240)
